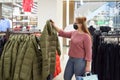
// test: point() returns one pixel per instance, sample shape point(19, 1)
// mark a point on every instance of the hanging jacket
point(6, 59)
point(49, 44)
point(26, 68)
point(21, 59)
point(6, 47)
point(57, 65)
point(37, 61)
point(20, 55)
point(14, 53)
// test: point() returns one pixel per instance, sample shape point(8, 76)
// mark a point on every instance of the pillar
point(71, 12)
point(68, 17)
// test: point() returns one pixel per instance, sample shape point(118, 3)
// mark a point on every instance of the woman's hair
point(82, 20)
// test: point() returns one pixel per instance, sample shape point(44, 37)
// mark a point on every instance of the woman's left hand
point(88, 69)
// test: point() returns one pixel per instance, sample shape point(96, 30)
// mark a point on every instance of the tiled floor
point(64, 58)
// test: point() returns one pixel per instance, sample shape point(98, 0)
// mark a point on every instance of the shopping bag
point(79, 78)
point(87, 77)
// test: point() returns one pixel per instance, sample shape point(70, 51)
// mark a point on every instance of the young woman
point(80, 52)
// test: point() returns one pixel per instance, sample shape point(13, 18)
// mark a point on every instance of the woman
point(80, 52)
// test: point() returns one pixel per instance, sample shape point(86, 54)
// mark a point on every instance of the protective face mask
point(75, 26)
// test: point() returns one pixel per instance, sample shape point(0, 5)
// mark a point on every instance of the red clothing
point(27, 5)
point(57, 65)
point(80, 44)
point(17, 28)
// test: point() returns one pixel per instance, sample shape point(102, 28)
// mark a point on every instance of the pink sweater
point(80, 44)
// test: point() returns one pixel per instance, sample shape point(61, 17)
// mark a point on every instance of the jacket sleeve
point(65, 34)
point(88, 48)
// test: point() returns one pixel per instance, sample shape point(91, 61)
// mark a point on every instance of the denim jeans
point(74, 66)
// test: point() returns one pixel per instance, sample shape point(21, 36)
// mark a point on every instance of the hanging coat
point(49, 44)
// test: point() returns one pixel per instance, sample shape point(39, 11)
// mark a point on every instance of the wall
point(50, 9)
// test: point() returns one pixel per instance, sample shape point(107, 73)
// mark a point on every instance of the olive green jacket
point(21, 59)
point(49, 44)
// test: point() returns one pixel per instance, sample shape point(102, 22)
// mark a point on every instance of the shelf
point(25, 19)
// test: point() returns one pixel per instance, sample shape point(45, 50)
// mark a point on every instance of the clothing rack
point(106, 47)
point(29, 32)
point(10, 31)
point(24, 32)
point(102, 38)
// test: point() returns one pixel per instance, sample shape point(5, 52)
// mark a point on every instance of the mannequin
point(4, 24)
point(91, 30)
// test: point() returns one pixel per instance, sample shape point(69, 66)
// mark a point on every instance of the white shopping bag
point(86, 77)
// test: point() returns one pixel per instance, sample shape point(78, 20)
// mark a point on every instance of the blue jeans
point(74, 66)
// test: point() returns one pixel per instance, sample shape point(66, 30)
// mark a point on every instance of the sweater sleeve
point(88, 48)
point(65, 34)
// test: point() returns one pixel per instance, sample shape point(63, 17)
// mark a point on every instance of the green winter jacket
point(49, 44)
point(26, 58)
point(37, 61)
point(2, 66)
point(21, 59)
point(20, 56)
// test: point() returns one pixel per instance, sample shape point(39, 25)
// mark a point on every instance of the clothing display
point(4, 24)
point(27, 57)
point(96, 43)
point(107, 62)
point(106, 57)
point(105, 28)
point(59, 39)
point(21, 59)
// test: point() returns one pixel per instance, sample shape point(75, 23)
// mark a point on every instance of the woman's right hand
point(53, 24)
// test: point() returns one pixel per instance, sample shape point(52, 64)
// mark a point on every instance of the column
point(71, 12)
point(67, 12)
point(68, 16)
point(64, 20)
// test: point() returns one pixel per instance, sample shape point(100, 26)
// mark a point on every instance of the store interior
point(17, 15)
point(99, 13)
